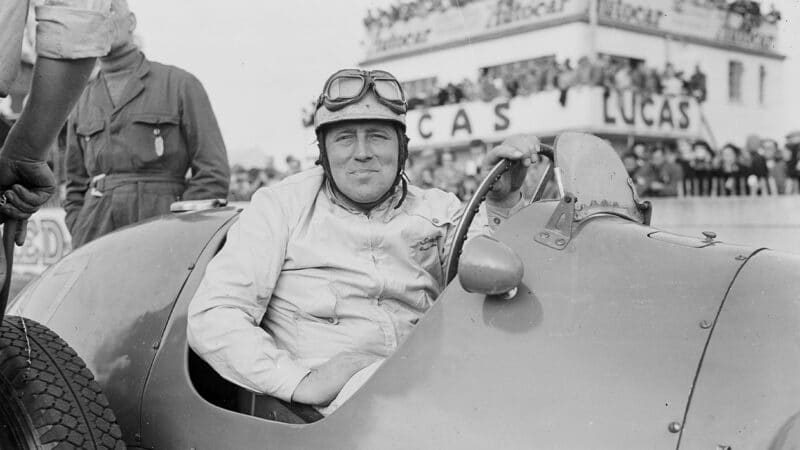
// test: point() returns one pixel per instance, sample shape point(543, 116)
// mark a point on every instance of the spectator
point(622, 77)
point(486, 87)
point(702, 168)
point(728, 174)
point(447, 177)
point(658, 177)
point(469, 90)
point(776, 167)
point(684, 159)
point(793, 162)
point(583, 75)
point(637, 76)
point(565, 80)
point(477, 150)
point(421, 173)
point(672, 85)
point(697, 84)
point(630, 162)
point(639, 150)
point(755, 166)
point(135, 133)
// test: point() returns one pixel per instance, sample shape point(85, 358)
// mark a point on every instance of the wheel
point(471, 208)
point(48, 398)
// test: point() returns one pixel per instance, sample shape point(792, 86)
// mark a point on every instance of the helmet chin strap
point(399, 178)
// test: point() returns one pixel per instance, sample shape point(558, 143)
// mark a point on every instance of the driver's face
point(363, 158)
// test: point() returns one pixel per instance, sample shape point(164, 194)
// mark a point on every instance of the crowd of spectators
point(384, 18)
point(528, 77)
point(759, 167)
point(244, 181)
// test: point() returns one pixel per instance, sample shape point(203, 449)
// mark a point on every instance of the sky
point(262, 61)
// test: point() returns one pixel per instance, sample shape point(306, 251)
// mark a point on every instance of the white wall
point(730, 121)
point(455, 64)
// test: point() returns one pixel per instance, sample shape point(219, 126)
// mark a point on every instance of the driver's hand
point(26, 186)
point(522, 149)
point(323, 383)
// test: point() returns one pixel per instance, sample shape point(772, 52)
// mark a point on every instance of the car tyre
point(49, 399)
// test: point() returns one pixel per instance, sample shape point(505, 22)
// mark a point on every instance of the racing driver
point(325, 273)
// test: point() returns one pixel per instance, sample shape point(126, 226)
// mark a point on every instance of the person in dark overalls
point(142, 136)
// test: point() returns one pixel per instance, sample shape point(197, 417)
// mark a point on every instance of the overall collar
point(140, 68)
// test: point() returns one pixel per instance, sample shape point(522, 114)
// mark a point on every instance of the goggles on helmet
point(349, 86)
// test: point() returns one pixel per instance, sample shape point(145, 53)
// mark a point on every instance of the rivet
point(705, 324)
point(675, 427)
point(741, 257)
point(497, 221)
point(560, 242)
point(435, 221)
point(544, 235)
point(156, 344)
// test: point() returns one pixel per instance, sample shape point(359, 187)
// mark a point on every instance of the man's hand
point(31, 184)
point(323, 383)
point(523, 150)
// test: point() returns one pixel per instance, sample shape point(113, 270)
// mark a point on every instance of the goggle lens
point(345, 87)
point(389, 90)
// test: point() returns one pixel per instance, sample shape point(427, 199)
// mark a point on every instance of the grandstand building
point(485, 41)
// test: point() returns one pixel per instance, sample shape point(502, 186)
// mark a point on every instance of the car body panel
point(111, 300)
point(748, 389)
point(586, 356)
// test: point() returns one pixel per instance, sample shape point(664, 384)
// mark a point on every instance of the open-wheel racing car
point(576, 325)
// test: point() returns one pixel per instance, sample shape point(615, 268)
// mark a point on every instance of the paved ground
point(772, 222)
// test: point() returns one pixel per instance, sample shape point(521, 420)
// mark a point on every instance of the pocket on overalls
point(319, 334)
point(152, 136)
point(90, 138)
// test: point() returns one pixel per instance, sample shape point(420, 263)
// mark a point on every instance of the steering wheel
point(474, 203)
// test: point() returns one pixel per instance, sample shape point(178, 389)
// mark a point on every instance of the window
point(735, 71)
point(762, 81)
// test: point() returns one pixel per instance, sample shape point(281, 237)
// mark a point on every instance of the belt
point(102, 183)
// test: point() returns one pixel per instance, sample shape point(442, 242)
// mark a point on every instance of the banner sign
point(700, 19)
point(472, 20)
point(48, 240)
point(586, 109)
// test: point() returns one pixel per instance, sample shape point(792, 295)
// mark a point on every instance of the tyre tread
point(60, 394)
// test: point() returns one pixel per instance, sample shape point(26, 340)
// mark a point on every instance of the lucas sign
point(586, 109)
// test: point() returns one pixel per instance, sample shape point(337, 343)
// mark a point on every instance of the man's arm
point(77, 177)
point(56, 86)
point(225, 313)
point(207, 155)
point(70, 34)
